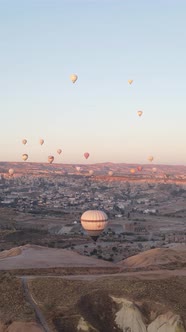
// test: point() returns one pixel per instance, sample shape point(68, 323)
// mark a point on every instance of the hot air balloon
point(150, 158)
point(94, 222)
point(154, 169)
point(139, 168)
point(24, 141)
point(11, 171)
point(41, 141)
point(110, 173)
point(50, 159)
point(139, 113)
point(130, 81)
point(73, 78)
point(24, 156)
point(86, 155)
point(132, 170)
point(59, 151)
point(78, 168)
point(91, 172)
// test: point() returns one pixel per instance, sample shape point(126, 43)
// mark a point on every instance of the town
point(46, 210)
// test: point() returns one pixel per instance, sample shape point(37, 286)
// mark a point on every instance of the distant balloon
point(41, 141)
point(94, 222)
point(139, 168)
point(11, 171)
point(139, 113)
point(150, 158)
point(59, 151)
point(50, 159)
point(91, 172)
point(110, 173)
point(78, 168)
point(154, 169)
point(132, 170)
point(86, 155)
point(73, 78)
point(130, 81)
point(24, 156)
point(24, 141)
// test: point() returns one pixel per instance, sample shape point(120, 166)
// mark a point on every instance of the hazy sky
point(104, 42)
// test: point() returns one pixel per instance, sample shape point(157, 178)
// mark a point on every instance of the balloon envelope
point(24, 156)
point(86, 155)
point(139, 168)
point(110, 173)
point(132, 170)
point(41, 141)
point(78, 168)
point(150, 158)
point(94, 222)
point(139, 113)
point(50, 159)
point(59, 151)
point(130, 81)
point(24, 141)
point(11, 171)
point(73, 78)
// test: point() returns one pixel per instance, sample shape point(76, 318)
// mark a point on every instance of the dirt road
point(34, 305)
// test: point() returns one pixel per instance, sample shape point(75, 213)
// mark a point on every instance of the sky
point(106, 43)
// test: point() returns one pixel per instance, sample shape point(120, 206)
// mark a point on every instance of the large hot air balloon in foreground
point(59, 151)
point(41, 141)
point(94, 222)
point(139, 113)
point(50, 159)
point(86, 155)
point(11, 171)
point(150, 158)
point(24, 141)
point(24, 156)
point(130, 82)
point(73, 78)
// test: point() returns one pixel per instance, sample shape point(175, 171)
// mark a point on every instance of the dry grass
point(12, 302)
point(66, 300)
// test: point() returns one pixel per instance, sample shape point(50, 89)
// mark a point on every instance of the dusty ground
point(30, 256)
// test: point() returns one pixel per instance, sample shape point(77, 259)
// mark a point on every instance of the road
point(150, 275)
point(34, 305)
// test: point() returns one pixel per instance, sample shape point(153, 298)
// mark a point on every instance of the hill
point(157, 258)
point(33, 257)
point(121, 171)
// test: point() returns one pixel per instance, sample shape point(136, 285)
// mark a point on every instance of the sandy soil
point(156, 257)
point(10, 253)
